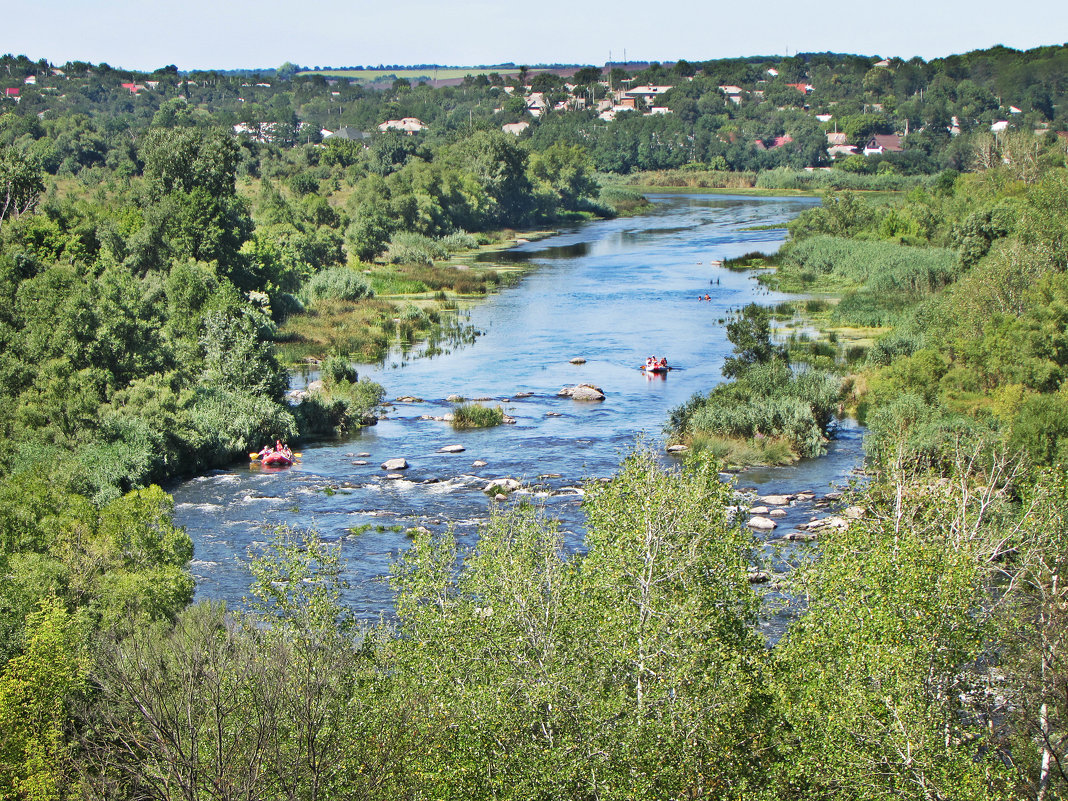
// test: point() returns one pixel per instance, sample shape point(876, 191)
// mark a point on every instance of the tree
point(20, 184)
point(750, 331)
point(36, 691)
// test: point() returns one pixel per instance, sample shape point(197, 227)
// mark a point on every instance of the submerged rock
point(452, 449)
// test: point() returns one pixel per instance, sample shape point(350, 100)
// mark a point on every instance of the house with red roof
point(883, 143)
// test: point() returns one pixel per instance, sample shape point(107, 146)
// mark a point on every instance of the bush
point(766, 402)
point(475, 415)
point(339, 283)
point(337, 369)
point(408, 247)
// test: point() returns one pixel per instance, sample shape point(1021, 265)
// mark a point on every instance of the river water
point(612, 292)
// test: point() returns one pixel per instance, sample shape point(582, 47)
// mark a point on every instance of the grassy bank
point(409, 303)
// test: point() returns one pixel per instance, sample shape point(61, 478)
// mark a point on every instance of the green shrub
point(407, 247)
point(336, 369)
point(339, 283)
point(475, 415)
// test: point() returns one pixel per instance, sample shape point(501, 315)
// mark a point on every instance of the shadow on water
point(607, 291)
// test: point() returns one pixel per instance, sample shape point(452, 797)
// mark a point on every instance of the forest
point(167, 238)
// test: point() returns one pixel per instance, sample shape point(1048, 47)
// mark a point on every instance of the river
point(612, 292)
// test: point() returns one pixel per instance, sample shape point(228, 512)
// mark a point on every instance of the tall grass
point(766, 402)
point(475, 415)
point(338, 283)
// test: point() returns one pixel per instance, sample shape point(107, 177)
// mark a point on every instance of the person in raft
point(267, 451)
point(662, 364)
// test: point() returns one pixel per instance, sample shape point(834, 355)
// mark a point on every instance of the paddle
point(254, 456)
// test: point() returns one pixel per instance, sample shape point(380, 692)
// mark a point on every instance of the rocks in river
point(800, 536)
point(316, 386)
point(500, 496)
point(416, 531)
point(854, 512)
point(776, 500)
point(394, 476)
point(677, 449)
point(499, 485)
point(408, 399)
point(395, 464)
point(508, 420)
point(760, 523)
point(360, 462)
point(582, 392)
point(452, 449)
point(578, 360)
point(479, 463)
point(553, 414)
point(777, 513)
point(363, 455)
point(521, 395)
point(758, 510)
point(455, 399)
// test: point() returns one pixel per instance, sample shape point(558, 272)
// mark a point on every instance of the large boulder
point(395, 464)
point(762, 523)
point(499, 485)
point(582, 392)
point(777, 500)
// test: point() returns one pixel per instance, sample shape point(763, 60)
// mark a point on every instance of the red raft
point(277, 459)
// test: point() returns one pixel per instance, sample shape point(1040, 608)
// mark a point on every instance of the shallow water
point(612, 292)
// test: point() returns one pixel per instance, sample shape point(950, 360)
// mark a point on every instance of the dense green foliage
point(152, 255)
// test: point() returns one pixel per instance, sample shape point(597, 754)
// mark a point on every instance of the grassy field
point(439, 74)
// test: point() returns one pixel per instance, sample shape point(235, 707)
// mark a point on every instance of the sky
point(223, 34)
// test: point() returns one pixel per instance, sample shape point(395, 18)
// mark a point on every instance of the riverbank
point(410, 303)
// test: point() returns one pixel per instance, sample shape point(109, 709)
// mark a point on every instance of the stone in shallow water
point(762, 523)
point(452, 449)
point(578, 360)
point(395, 464)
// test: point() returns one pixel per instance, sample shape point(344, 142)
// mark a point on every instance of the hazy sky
point(265, 33)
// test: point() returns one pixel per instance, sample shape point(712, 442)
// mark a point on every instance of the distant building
point(349, 134)
point(999, 126)
point(30, 80)
point(834, 151)
point(515, 127)
point(646, 93)
point(824, 117)
point(837, 138)
point(883, 143)
point(408, 125)
point(803, 88)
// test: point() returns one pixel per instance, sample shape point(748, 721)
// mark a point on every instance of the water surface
point(612, 292)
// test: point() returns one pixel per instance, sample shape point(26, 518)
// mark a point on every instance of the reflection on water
point(612, 292)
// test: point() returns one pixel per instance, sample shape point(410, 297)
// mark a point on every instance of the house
point(12, 92)
point(777, 142)
point(834, 151)
point(658, 110)
point(837, 138)
point(646, 93)
point(30, 80)
point(883, 143)
point(733, 93)
point(1014, 110)
point(409, 125)
point(515, 127)
point(536, 104)
point(774, 73)
point(803, 88)
point(350, 134)
point(824, 117)
point(999, 126)
point(134, 88)
point(883, 63)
